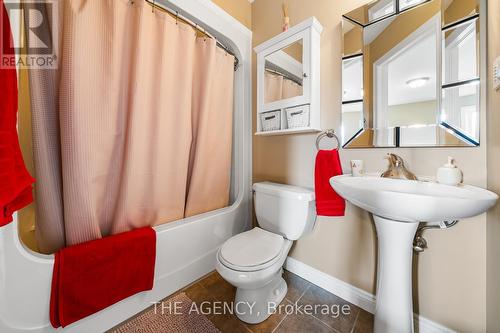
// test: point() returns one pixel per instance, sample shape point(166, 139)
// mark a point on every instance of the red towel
point(91, 276)
point(328, 202)
point(15, 181)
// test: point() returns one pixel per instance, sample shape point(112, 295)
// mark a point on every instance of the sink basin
point(397, 207)
point(413, 201)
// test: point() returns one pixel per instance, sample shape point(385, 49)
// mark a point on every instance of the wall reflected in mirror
point(283, 77)
point(352, 120)
point(381, 9)
point(461, 52)
point(457, 10)
point(407, 4)
point(416, 81)
point(460, 111)
point(352, 38)
point(373, 11)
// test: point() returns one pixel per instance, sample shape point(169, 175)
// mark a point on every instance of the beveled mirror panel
point(352, 39)
point(372, 12)
point(283, 76)
point(416, 81)
point(457, 10)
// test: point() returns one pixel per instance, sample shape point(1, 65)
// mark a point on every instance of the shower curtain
point(273, 87)
point(291, 89)
point(134, 128)
point(278, 87)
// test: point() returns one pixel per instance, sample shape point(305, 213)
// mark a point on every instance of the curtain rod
point(289, 77)
point(194, 25)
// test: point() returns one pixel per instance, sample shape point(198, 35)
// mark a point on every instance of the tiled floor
point(213, 288)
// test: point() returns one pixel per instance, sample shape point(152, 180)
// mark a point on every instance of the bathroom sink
point(397, 207)
point(413, 201)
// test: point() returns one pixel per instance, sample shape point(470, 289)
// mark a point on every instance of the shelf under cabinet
point(289, 131)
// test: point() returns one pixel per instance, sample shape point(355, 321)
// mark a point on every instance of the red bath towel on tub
point(15, 181)
point(328, 202)
point(91, 276)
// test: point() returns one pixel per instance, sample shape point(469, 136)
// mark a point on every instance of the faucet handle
point(395, 160)
point(392, 158)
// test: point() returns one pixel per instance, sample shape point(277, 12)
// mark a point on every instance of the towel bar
point(330, 133)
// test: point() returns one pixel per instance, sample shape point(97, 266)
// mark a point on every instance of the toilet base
point(256, 305)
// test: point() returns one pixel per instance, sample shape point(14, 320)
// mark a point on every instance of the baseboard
point(354, 295)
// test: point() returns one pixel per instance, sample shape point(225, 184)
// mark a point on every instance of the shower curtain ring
point(153, 8)
point(176, 17)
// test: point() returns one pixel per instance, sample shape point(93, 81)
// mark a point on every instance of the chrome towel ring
point(330, 133)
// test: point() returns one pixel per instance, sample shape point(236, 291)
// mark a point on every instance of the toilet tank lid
point(283, 190)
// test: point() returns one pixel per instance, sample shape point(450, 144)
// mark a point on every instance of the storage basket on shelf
point(298, 116)
point(271, 121)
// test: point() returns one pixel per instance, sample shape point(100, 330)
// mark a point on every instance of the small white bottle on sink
point(449, 174)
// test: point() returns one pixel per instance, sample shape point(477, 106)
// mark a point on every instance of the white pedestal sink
point(398, 206)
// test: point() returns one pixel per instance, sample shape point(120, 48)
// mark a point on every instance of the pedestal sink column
point(394, 309)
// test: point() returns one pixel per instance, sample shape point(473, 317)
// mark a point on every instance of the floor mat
point(171, 315)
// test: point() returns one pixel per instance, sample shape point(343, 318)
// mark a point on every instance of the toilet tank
point(286, 210)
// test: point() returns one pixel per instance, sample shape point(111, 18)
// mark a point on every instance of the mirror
point(372, 12)
point(352, 96)
point(415, 82)
point(457, 10)
point(352, 39)
point(284, 70)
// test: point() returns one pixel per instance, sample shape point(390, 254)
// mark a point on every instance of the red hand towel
point(91, 276)
point(15, 181)
point(328, 202)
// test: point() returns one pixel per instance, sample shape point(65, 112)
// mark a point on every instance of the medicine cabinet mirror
point(411, 74)
point(288, 79)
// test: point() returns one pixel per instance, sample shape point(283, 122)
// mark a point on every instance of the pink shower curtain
point(291, 89)
point(278, 87)
point(138, 123)
point(273, 87)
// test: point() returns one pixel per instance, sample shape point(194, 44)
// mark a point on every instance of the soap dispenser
point(449, 174)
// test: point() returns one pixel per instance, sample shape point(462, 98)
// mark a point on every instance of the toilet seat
point(253, 250)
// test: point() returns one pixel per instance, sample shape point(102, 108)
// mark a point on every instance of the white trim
point(310, 22)
point(289, 131)
point(354, 295)
point(286, 62)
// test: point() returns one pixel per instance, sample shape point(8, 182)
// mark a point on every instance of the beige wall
point(412, 113)
point(451, 274)
point(493, 229)
point(239, 9)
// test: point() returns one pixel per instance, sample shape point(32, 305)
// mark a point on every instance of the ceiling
point(418, 61)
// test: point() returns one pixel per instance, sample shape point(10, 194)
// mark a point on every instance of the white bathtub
point(186, 249)
point(185, 252)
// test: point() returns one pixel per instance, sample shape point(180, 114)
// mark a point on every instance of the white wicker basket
point(271, 121)
point(297, 116)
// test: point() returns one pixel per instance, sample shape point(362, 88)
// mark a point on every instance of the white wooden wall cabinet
point(292, 56)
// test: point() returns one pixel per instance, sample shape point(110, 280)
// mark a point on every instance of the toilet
point(252, 261)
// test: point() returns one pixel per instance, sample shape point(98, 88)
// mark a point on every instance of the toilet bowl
point(253, 260)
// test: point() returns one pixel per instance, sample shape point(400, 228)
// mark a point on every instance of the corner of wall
point(493, 216)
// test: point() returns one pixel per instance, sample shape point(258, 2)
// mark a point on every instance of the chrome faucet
point(397, 169)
